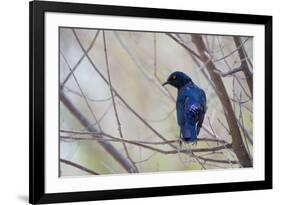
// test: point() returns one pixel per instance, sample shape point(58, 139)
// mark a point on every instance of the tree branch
point(235, 70)
point(115, 139)
point(140, 67)
point(98, 135)
point(78, 166)
point(80, 59)
point(87, 97)
point(237, 142)
point(232, 52)
point(118, 95)
point(83, 121)
point(183, 45)
point(246, 70)
point(114, 104)
point(217, 160)
point(84, 96)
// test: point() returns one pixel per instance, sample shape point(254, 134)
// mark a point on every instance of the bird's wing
point(189, 126)
point(203, 101)
point(195, 110)
point(200, 122)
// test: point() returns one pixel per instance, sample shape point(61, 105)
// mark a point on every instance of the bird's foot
point(188, 147)
point(185, 158)
point(194, 143)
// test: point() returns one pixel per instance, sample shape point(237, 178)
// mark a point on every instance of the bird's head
point(178, 79)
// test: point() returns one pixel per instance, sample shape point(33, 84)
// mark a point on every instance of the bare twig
point(80, 59)
point(145, 160)
point(240, 102)
point(141, 144)
point(243, 131)
point(235, 70)
point(88, 98)
point(217, 160)
point(237, 142)
point(213, 131)
point(224, 126)
point(103, 136)
point(230, 69)
point(246, 132)
point(146, 74)
point(118, 95)
point(163, 118)
point(78, 166)
point(183, 45)
point(114, 104)
point(159, 83)
point(85, 122)
point(196, 60)
point(246, 70)
point(103, 115)
point(232, 52)
point(84, 96)
point(247, 57)
point(206, 139)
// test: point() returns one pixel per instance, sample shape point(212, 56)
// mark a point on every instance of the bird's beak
point(165, 83)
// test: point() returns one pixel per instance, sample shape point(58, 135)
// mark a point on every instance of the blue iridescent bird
point(191, 105)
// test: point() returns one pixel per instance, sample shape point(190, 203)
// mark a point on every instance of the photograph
point(136, 101)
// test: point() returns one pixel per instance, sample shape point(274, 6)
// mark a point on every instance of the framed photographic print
point(140, 102)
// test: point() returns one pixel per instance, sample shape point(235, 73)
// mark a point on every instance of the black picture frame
point(37, 11)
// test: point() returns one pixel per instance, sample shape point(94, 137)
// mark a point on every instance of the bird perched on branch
point(191, 105)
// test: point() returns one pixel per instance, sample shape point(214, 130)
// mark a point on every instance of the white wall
point(14, 100)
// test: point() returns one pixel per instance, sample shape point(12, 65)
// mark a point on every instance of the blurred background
point(115, 117)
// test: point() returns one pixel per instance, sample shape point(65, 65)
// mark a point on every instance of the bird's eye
point(174, 77)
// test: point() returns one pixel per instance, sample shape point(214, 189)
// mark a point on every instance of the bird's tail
point(189, 133)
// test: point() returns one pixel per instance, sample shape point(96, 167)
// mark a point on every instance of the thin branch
point(210, 149)
point(139, 66)
point(237, 142)
point(224, 126)
point(213, 131)
point(155, 53)
point(246, 132)
point(196, 60)
point(103, 115)
point(242, 122)
point(126, 104)
point(159, 82)
point(140, 143)
point(88, 98)
point(199, 162)
point(247, 57)
point(78, 166)
point(217, 160)
point(78, 85)
point(145, 160)
point(142, 120)
point(80, 59)
point(114, 139)
point(86, 123)
point(183, 45)
point(230, 69)
point(248, 74)
point(204, 74)
point(200, 67)
point(114, 104)
point(235, 70)
point(232, 52)
point(163, 118)
point(118, 95)
point(240, 102)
